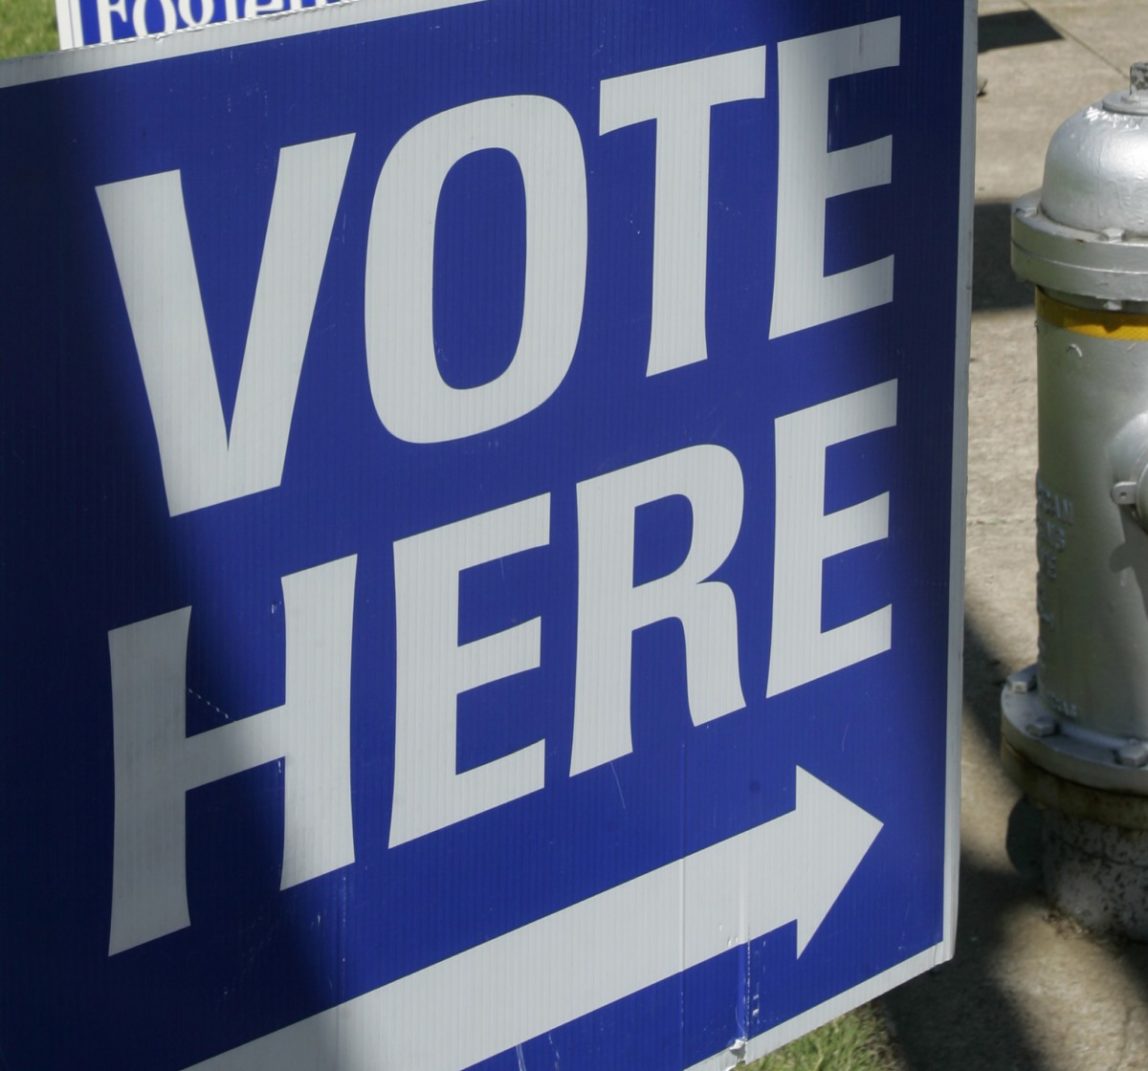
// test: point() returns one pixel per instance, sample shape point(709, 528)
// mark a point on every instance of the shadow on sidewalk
point(1008, 29)
point(958, 1017)
point(994, 284)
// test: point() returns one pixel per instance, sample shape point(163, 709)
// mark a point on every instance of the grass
point(855, 1042)
point(858, 1041)
point(27, 26)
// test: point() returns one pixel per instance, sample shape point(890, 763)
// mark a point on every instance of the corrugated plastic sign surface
point(482, 510)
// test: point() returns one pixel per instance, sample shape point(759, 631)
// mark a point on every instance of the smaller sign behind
point(96, 22)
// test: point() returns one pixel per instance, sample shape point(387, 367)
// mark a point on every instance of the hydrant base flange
point(1094, 849)
point(1123, 809)
point(1066, 751)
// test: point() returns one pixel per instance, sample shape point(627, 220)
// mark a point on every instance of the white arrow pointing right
point(793, 868)
point(518, 986)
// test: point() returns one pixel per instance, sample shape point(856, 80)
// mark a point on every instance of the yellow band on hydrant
point(1096, 323)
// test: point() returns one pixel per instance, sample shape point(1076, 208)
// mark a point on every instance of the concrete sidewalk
point(1027, 988)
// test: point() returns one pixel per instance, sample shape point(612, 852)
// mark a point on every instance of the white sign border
point(963, 349)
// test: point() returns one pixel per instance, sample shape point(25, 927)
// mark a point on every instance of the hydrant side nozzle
point(1129, 454)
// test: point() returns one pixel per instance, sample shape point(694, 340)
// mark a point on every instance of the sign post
point(483, 530)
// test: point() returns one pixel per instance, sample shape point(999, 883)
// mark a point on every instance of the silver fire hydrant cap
point(1086, 230)
point(1096, 168)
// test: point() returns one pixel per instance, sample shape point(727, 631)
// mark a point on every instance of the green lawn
point(858, 1041)
point(27, 26)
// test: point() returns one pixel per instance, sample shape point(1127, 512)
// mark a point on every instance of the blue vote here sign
point(483, 530)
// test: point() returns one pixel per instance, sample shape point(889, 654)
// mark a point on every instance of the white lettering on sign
point(157, 763)
point(105, 9)
point(411, 397)
point(203, 463)
point(206, 461)
point(190, 17)
point(140, 16)
point(680, 98)
point(160, 16)
point(434, 669)
point(808, 175)
point(805, 536)
point(611, 607)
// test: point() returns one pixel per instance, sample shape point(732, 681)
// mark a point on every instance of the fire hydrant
point(1075, 726)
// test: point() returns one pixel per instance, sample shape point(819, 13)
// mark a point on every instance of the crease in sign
point(584, 957)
